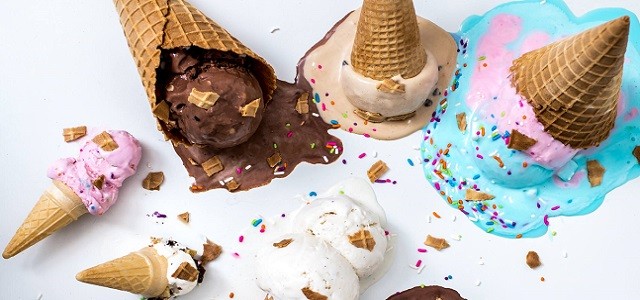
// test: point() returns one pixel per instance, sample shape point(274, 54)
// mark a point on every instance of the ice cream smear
point(334, 246)
point(164, 270)
point(541, 119)
point(98, 172)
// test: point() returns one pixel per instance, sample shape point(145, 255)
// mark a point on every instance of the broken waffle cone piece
point(473, 195)
point(152, 25)
point(362, 239)
point(436, 243)
point(143, 272)
point(313, 295)
point(58, 207)
point(519, 141)
point(387, 41)
point(595, 172)
point(377, 170)
point(574, 84)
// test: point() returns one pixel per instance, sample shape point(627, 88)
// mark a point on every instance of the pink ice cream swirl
point(93, 162)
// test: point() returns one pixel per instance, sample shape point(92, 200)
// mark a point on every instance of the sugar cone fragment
point(153, 25)
point(387, 40)
point(58, 206)
point(143, 272)
point(574, 84)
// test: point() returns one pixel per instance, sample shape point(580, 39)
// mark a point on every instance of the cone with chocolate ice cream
point(574, 84)
point(151, 26)
point(387, 40)
point(143, 272)
point(58, 206)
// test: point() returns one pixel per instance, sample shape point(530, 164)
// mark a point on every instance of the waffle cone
point(574, 84)
point(153, 25)
point(58, 206)
point(387, 41)
point(143, 272)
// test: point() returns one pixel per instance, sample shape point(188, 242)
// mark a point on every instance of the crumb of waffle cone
point(391, 86)
point(153, 181)
point(212, 166)
point(98, 182)
point(211, 252)
point(302, 105)
point(184, 217)
point(283, 243)
point(204, 100)
point(186, 272)
point(436, 243)
point(161, 111)
point(533, 260)
point(377, 170)
point(105, 141)
point(232, 185)
point(595, 172)
point(473, 195)
point(636, 153)
point(74, 133)
point(519, 141)
point(461, 118)
point(312, 295)
point(274, 159)
point(251, 109)
point(362, 239)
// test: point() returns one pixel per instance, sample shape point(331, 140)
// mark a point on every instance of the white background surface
point(66, 63)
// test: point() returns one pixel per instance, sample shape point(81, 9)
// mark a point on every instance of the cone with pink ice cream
point(574, 84)
point(86, 184)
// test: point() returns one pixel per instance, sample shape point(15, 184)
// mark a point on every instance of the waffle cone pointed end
point(387, 41)
point(153, 25)
point(574, 84)
point(57, 207)
point(143, 272)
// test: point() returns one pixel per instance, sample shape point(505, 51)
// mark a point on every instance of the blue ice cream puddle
point(527, 196)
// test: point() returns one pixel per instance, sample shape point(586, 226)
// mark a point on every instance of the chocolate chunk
point(636, 153)
point(533, 260)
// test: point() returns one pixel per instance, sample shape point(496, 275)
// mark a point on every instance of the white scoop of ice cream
point(350, 228)
point(301, 266)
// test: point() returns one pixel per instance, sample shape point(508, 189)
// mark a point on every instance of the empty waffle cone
point(574, 84)
point(387, 41)
point(143, 272)
point(153, 25)
point(58, 206)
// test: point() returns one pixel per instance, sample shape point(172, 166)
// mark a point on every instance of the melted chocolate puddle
point(295, 137)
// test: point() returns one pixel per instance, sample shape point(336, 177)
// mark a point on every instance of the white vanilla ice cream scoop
point(302, 266)
point(350, 228)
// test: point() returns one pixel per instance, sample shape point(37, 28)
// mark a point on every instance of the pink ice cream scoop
point(88, 183)
point(97, 174)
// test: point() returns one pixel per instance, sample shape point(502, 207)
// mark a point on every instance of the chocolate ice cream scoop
point(213, 99)
point(432, 292)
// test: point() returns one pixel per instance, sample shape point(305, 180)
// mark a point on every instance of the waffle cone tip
point(57, 207)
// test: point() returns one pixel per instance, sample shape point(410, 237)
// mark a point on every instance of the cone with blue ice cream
point(574, 84)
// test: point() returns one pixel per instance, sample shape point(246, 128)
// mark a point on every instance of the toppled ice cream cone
point(87, 184)
point(172, 37)
point(390, 73)
point(162, 270)
point(574, 84)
